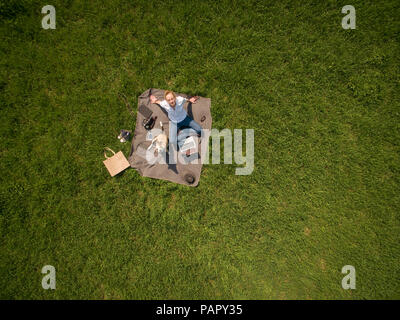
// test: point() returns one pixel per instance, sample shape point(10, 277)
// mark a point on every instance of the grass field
point(324, 193)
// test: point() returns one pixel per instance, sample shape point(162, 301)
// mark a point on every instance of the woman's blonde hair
point(167, 92)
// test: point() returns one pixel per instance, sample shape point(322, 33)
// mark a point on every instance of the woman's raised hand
point(193, 99)
point(153, 99)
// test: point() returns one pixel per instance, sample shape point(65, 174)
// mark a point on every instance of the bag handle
point(107, 148)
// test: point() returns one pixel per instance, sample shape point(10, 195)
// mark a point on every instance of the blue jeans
point(174, 127)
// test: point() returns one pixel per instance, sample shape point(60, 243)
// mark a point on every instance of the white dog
point(160, 142)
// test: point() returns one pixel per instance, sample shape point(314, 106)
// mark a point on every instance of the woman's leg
point(173, 145)
point(173, 128)
point(194, 125)
point(189, 122)
point(173, 132)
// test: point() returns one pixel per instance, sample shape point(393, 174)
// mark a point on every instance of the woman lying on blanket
point(177, 114)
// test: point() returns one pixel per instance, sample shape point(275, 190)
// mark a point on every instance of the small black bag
point(148, 121)
point(148, 124)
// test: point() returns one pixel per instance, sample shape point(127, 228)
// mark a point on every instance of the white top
point(178, 113)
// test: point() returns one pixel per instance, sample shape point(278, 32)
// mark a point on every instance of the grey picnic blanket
point(185, 172)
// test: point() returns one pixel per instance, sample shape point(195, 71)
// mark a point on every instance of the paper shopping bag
point(116, 163)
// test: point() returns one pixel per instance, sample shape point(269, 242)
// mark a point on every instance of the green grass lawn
point(324, 104)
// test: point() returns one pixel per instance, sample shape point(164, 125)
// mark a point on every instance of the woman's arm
point(153, 99)
point(193, 99)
